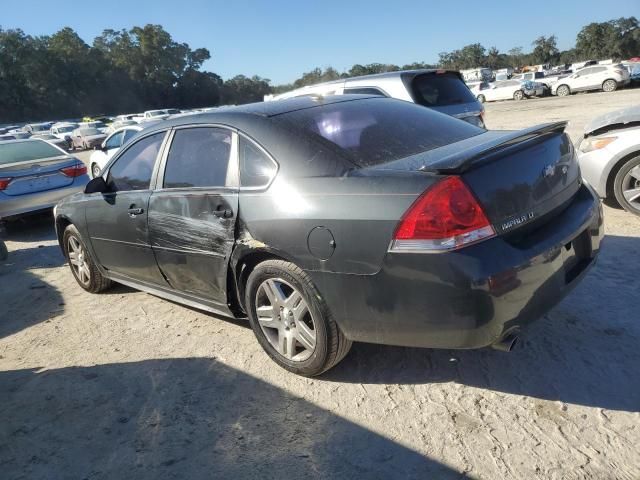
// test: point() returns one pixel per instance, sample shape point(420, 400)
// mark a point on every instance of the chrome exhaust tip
point(507, 343)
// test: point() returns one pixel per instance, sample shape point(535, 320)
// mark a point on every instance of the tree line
point(61, 76)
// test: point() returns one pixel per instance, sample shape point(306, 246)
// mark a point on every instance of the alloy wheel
point(631, 187)
point(285, 319)
point(609, 86)
point(78, 260)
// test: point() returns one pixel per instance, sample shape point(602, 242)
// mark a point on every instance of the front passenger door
point(117, 220)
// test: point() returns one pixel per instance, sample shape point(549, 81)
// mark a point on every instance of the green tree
point(545, 50)
point(616, 39)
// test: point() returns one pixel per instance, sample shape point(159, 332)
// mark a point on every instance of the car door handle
point(223, 213)
point(135, 211)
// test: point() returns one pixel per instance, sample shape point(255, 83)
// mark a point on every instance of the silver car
point(35, 175)
point(609, 156)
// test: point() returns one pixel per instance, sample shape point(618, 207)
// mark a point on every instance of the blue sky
point(281, 39)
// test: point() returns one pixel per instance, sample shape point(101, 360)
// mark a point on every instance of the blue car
point(35, 175)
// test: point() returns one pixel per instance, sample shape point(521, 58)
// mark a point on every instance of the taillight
point(4, 182)
point(74, 170)
point(445, 217)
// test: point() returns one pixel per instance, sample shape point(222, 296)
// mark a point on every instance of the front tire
point(291, 320)
point(609, 85)
point(626, 186)
point(563, 91)
point(518, 95)
point(82, 266)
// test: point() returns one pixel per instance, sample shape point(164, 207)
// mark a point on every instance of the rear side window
point(198, 157)
point(133, 169)
point(379, 130)
point(364, 91)
point(115, 141)
point(440, 89)
point(256, 168)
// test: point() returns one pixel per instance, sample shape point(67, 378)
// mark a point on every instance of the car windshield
point(155, 113)
point(87, 132)
point(440, 89)
point(173, 111)
point(379, 130)
point(96, 125)
point(65, 129)
point(25, 151)
point(39, 128)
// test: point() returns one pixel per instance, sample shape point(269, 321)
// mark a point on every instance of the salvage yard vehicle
point(441, 90)
point(35, 175)
point(607, 78)
point(61, 143)
point(507, 90)
point(109, 147)
point(86, 138)
point(328, 220)
point(609, 157)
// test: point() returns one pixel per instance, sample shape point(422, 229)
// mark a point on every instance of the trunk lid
point(520, 178)
point(36, 175)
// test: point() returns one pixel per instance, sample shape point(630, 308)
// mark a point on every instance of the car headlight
point(590, 144)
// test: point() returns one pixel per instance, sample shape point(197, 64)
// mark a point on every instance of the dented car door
point(193, 211)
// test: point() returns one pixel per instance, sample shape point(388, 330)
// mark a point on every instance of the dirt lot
point(125, 385)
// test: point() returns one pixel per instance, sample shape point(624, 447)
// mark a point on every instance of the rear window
point(26, 151)
point(440, 89)
point(379, 130)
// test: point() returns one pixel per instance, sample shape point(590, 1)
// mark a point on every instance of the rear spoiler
point(497, 145)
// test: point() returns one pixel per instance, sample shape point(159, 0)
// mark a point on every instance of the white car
point(609, 157)
point(63, 131)
point(607, 78)
point(163, 114)
point(109, 147)
point(507, 90)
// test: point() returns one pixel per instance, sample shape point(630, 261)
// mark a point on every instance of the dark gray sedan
point(339, 219)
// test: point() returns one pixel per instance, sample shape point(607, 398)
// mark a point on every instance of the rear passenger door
point(192, 212)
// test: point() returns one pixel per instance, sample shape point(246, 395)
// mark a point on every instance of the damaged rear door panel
point(192, 213)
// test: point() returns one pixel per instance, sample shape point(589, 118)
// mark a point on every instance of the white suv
point(597, 77)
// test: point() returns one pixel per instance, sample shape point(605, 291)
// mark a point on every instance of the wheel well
point(614, 171)
point(61, 224)
point(243, 269)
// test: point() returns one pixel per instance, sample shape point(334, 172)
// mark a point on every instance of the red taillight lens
point(445, 217)
point(74, 170)
point(4, 182)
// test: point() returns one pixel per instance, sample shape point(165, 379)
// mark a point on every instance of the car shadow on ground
point(183, 418)
point(584, 352)
point(22, 287)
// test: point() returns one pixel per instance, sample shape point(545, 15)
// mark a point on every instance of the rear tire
point(563, 91)
point(609, 85)
point(83, 268)
point(481, 98)
point(518, 95)
point(289, 281)
point(626, 186)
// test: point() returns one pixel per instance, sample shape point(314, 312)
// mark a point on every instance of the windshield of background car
point(25, 151)
point(440, 89)
point(65, 129)
point(39, 128)
point(379, 130)
point(88, 132)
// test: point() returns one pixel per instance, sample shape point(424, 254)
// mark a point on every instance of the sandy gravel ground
point(125, 385)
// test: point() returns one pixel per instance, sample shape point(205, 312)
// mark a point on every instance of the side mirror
point(96, 185)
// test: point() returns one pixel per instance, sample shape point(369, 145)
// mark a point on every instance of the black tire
point(481, 98)
point(518, 95)
point(331, 344)
point(4, 253)
point(625, 181)
point(609, 85)
point(96, 282)
point(563, 91)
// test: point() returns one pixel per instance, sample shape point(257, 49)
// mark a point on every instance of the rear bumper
point(13, 206)
point(469, 298)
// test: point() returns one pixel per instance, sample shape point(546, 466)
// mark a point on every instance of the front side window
point(133, 169)
point(198, 157)
point(115, 141)
point(256, 168)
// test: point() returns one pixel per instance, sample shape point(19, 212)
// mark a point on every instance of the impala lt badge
point(517, 221)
